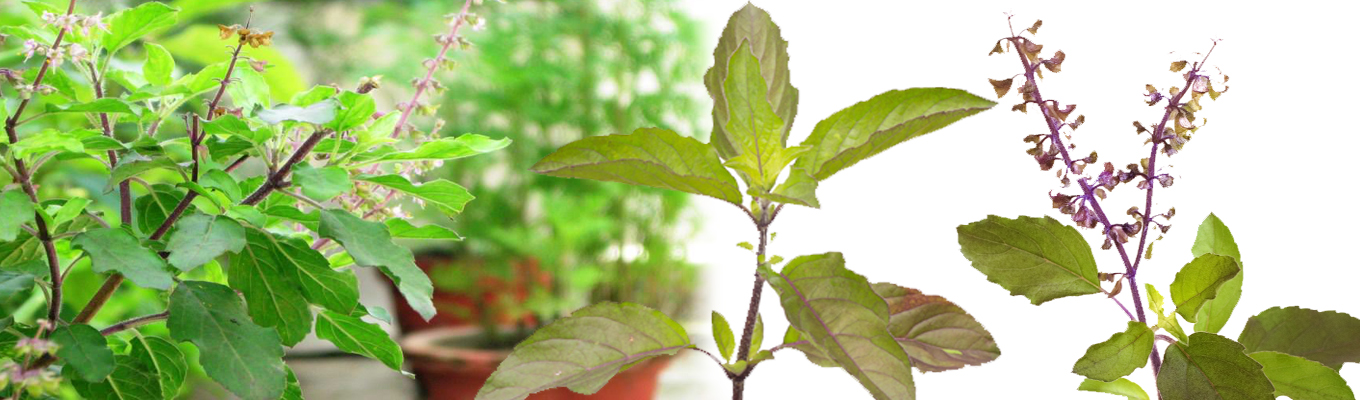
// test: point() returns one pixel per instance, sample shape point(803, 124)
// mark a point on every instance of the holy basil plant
point(874, 331)
point(247, 214)
point(1290, 351)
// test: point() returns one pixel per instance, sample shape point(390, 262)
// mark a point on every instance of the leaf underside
point(936, 334)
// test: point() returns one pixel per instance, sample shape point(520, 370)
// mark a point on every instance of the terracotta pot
point(460, 309)
point(447, 371)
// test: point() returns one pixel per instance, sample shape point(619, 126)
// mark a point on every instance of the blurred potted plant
point(542, 73)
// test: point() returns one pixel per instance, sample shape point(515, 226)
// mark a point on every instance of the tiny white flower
point(78, 52)
point(31, 46)
point(96, 20)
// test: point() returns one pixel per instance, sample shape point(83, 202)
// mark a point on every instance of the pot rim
point(426, 345)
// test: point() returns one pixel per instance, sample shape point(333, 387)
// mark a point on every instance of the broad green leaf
point(245, 358)
point(322, 184)
point(1301, 378)
point(130, 380)
point(85, 350)
point(228, 124)
point(1166, 321)
point(199, 238)
point(583, 351)
point(159, 65)
point(46, 141)
point(443, 149)
point(116, 250)
point(320, 113)
point(248, 89)
point(1039, 258)
point(293, 390)
point(1121, 387)
point(798, 188)
point(937, 334)
point(220, 149)
point(353, 335)
point(312, 96)
point(1328, 337)
point(164, 359)
point(1199, 281)
point(1215, 238)
point(371, 245)
point(107, 105)
point(753, 127)
point(839, 313)
point(867, 128)
point(24, 249)
point(355, 110)
point(153, 208)
point(449, 197)
point(647, 157)
point(267, 278)
point(15, 210)
point(15, 285)
point(220, 180)
point(752, 27)
point(1117, 357)
point(722, 334)
point(336, 290)
point(132, 165)
point(1211, 367)
point(401, 229)
point(131, 24)
point(758, 334)
point(69, 210)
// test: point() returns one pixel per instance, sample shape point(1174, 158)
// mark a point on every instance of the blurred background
point(544, 73)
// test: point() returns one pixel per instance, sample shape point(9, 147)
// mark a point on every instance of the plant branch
point(710, 355)
point(134, 322)
point(788, 345)
point(124, 189)
point(434, 66)
point(753, 310)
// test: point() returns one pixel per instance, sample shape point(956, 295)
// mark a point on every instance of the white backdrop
point(1275, 162)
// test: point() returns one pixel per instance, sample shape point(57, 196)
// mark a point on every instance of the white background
point(1276, 162)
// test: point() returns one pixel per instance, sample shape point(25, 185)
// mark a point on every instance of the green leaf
point(1215, 238)
point(443, 149)
point(448, 196)
point(1211, 367)
point(85, 350)
point(249, 89)
point(584, 350)
point(355, 110)
point(1328, 337)
point(838, 311)
point(798, 188)
point(159, 65)
point(199, 238)
point(242, 356)
point(1301, 378)
point(228, 124)
point(116, 250)
point(130, 380)
point(648, 157)
point(1121, 387)
point(870, 127)
point(319, 114)
point(15, 285)
point(69, 210)
point(401, 229)
point(353, 335)
point(293, 390)
point(1198, 281)
point(322, 184)
point(155, 207)
point(46, 141)
point(722, 334)
point(758, 334)
point(753, 127)
point(1119, 356)
point(371, 245)
point(753, 27)
point(107, 105)
point(132, 165)
point(267, 278)
point(1041, 259)
point(131, 24)
point(937, 334)
point(164, 359)
point(1164, 320)
point(15, 210)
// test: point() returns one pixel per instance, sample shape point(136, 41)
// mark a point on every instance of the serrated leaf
point(16, 209)
point(1165, 321)
point(131, 24)
point(162, 358)
point(937, 334)
point(401, 229)
point(355, 110)
point(1199, 281)
point(107, 105)
point(228, 124)
point(872, 126)
point(753, 127)
point(371, 245)
point(47, 141)
point(1215, 238)
point(267, 279)
point(648, 157)
point(1121, 387)
point(1301, 378)
point(753, 27)
point(293, 390)
point(15, 285)
point(84, 350)
point(159, 65)
point(1117, 357)
point(584, 350)
point(444, 149)
point(199, 238)
point(153, 208)
point(132, 165)
point(353, 335)
point(839, 313)
point(116, 250)
point(449, 197)
point(1039, 258)
point(722, 334)
point(130, 380)
point(1211, 367)
point(798, 188)
point(322, 184)
point(245, 358)
point(1328, 337)
point(319, 113)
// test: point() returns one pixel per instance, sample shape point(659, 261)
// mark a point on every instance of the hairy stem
point(134, 322)
point(434, 66)
point(753, 310)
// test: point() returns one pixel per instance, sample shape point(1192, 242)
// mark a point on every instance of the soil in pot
point(457, 308)
point(450, 366)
